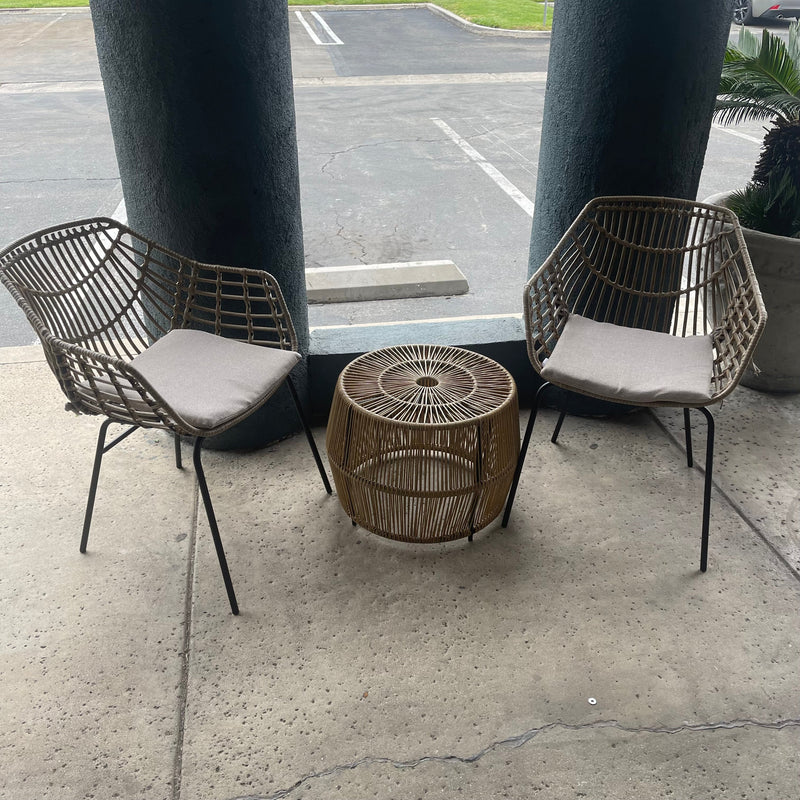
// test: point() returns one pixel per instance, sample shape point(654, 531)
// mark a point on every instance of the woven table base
point(423, 441)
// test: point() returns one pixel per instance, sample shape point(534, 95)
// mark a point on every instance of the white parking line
point(327, 28)
point(740, 135)
point(504, 183)
point(310, 31)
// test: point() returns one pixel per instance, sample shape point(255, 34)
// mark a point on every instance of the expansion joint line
point(513, 742)
point(183, 686)
point(732, 503)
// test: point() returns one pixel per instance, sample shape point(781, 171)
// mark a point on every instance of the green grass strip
point(42, 3)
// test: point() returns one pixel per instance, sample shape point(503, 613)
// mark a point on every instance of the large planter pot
point(776, 261)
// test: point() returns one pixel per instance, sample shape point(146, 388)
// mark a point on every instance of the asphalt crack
point(332, 156)
point(351, 241)
point(336, 153)
point(520, 740)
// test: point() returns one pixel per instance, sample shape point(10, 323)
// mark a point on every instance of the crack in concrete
point(520, 740)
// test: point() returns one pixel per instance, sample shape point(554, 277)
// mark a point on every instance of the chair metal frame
point(675, 266)
point(98, 294)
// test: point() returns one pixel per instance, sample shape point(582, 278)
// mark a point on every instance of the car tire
point(743, 12)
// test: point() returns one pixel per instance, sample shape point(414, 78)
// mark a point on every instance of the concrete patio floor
point(362, 668)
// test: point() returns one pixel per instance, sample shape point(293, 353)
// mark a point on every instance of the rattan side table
point(423, 441)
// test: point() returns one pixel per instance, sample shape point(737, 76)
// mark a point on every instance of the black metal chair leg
point(98, 458)
point(522, 452)
point(687, 427)
point(212, 522)
point(309, 436)
point(178, 460)
point(554, 437)
point(707, 489)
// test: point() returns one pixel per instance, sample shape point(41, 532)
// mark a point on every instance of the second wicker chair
point(645, 301)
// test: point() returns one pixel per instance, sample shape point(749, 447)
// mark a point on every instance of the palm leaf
point(734, 111)
point(793, 47)
point(749, 46)
point(760, 80)
point(737, 107)
point(776, 64)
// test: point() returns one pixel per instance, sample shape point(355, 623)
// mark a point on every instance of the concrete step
point(384, 281)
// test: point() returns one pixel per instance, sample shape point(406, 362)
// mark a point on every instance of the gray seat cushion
point(208, 380)
point(631, 365)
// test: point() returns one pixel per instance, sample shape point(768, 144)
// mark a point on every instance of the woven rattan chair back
point(99, 294)
point(663, 264)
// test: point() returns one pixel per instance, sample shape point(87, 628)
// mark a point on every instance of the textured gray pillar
point(630, 95)
point(202, 112)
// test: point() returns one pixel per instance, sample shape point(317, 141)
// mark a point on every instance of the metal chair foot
point(554, 437)
point(100, 450)
point(522, 452)
point(212, 523)
point(687, 428)
point(178, 459)
point(98, 458)
point(707, 490)
point(309, 436)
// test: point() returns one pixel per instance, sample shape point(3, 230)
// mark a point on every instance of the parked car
point(747, 12)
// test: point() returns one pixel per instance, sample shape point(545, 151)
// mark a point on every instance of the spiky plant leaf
point(773, 208)
point(780, 153)
point(733, 110)
point(793, 45)
point(760, 80)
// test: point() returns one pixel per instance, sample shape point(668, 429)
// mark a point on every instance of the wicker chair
point(146, 337)
point(645, 301)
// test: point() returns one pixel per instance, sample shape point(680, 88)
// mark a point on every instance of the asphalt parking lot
point(418, 140)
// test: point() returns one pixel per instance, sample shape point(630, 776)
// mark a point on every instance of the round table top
point(427, 384)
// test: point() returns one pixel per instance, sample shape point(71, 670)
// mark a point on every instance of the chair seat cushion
point(209, 380)
point(631, 365)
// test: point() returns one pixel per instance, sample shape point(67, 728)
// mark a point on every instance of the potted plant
point(761, 81)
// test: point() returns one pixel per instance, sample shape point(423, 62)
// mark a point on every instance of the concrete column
point(630, 95)
point(202, 112)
